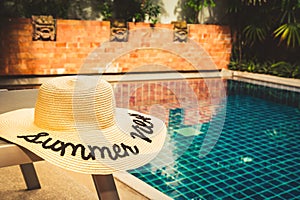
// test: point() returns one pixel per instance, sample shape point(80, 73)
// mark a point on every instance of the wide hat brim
point(127, 144)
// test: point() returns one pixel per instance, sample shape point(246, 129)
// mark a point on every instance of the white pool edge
point(291, 82)
point(140, 186)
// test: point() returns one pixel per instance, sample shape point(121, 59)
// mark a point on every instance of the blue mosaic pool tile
point(256, 157)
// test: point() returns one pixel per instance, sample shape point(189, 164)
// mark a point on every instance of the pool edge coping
point(291, 82)
point(140, 186)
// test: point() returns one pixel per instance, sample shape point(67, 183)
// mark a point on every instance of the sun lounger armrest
point(11, 154)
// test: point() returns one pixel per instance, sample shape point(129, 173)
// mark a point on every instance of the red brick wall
point(154, 58)
point(216, 40)
point(76, 39)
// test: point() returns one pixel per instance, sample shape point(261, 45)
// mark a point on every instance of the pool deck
point(57, 183)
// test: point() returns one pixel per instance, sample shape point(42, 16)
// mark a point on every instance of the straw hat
point(75, 125)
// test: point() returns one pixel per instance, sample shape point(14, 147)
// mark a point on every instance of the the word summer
point(142, 127)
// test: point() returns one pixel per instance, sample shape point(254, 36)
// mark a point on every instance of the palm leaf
point(254, 33)
point(289, 33)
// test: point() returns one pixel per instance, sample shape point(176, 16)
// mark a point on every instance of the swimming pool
point(257, 155)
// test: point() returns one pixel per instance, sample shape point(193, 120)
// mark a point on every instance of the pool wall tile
point(197, 97)
point(286, 95)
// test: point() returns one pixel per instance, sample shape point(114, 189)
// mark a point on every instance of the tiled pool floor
point(256, 157)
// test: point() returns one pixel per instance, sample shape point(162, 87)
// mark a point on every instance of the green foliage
point(148, 9)
point(106, 9)
point(289, 29)
point(289, 33)
point(27, 8)
point(280, 68)
point(197, 6)
point(254, 2)
point(255, 20)
point(265, 30)
point(151, 10)
point(286, 69)
point(254, 33)
point(57, 8)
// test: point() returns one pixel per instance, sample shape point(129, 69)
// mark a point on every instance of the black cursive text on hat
point(142, 125)
point(118, 151)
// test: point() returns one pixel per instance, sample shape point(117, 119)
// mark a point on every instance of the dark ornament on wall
point(180, 31)
point(44, 28)
point(119, 31)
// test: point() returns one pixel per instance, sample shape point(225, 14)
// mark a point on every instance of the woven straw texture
point(81, 111)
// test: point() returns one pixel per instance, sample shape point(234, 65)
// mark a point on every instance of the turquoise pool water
point(257, 155)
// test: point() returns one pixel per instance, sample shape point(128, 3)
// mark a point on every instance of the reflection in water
point(258, 153)
point(192, 111)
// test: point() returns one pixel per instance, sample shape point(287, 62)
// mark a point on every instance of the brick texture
point(77, 39)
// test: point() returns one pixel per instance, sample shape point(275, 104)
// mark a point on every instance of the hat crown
point(68, 103)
